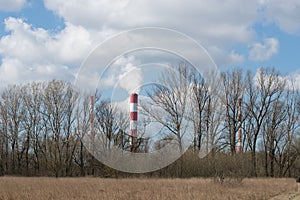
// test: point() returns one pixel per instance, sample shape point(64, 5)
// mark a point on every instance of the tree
point(233, 91)
point(261, 93)
point(169, 102)
point(32, 123)
point(12, 102)
point(59, 103)
point(287, 149)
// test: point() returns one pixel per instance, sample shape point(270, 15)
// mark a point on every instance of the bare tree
point(12, 98)
point(233, 91)
point(82, 127)
point(261, 92)
point(112, 124)
point(59, 102)
point(286, 150)
point(273, 133)
point(42, 125)
point(169, 102)
point(201, 100)
point(208, 112)
point(32, 123)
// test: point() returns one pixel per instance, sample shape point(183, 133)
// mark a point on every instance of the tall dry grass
point(95, 188)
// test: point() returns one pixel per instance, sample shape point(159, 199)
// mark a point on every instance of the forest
point(42, 125)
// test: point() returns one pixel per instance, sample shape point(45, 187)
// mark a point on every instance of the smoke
point(126, 74)
point(131, 78)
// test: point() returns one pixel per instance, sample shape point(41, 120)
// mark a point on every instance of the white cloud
point(224, 58)
point(265, 77)
point(211, 22)
point(12, 5)
point(131, 78)
point(36, 53)
point(262, 52)
point(218, 26)
point(123, 73)
point(70, 45)
point(10, 69)
point(284, 13)
point(236, 58)
point(293, 80)
point(31, 44)
point(13, 71)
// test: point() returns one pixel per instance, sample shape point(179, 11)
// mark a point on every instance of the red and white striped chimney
point(133, 117)
point(91, 109)
point(91, 117)
point(239, 143)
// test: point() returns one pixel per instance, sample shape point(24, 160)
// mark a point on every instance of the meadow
point(43, 188)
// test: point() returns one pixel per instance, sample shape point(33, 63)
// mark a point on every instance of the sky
point(49, 39)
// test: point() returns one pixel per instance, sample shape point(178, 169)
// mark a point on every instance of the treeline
point(42, 125)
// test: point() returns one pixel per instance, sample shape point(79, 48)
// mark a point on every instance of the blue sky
point(286, 60)
point(34, 12)
point(47, 39)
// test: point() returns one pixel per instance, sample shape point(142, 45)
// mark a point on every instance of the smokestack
point(91, 109)
point(239, 144)
point(91, 117)
point(133, 118)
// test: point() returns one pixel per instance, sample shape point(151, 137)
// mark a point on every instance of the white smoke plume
point(131, 78)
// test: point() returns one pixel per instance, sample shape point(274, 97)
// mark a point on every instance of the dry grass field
point(12, 188)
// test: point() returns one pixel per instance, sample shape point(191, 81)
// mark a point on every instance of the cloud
point(218, 26)
point(29, 52)
point(123, 73)
point(293, 80)
point(262, 52)
point(265, 77)
point(236, 58)
point(131, 78)
point(11, 5)
point(210, 22)
point(224, 58)
point(14, 71)
point(31, 44)
point(209, 19)
point(284, 13)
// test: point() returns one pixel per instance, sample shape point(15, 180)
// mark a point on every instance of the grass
point(12, 188)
